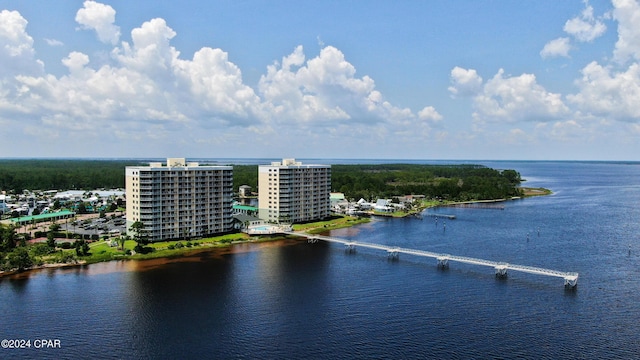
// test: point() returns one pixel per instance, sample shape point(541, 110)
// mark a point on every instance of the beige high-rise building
point(179, 200)
point(290, 192)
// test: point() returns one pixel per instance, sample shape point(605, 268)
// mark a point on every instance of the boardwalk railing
point(501, 268)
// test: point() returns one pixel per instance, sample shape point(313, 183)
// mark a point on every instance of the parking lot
point(110, 226)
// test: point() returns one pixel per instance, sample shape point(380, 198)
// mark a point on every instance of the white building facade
point(290, 192)
point(179, 200)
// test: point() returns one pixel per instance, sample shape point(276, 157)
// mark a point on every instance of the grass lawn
point(335, 223)
point(102, 250)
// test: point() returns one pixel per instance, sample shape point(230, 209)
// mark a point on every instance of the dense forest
point(45, 174)
point(452, 182)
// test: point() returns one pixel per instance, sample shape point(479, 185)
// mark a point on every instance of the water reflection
point(226, 291)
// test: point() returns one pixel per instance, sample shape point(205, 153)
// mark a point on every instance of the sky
point(460, 79)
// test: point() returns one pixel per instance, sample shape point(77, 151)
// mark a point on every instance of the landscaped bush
point(40, 249)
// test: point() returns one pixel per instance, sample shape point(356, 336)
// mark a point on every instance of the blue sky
point(544, 80)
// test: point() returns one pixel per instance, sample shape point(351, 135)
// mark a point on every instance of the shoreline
point(202, 245)
point(216, 245)
point(178, 253)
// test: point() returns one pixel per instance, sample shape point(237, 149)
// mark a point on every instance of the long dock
point(501, 268)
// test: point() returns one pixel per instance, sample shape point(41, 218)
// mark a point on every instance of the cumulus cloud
point(146, 90)
point(627, 13)
point(612, 91)
point(101, 18)
point(569, 130)
point(465, 82)
point(429, 113)
point(147, 86)
point(607, 93)
point(556, 47)
point(325, 89)
point(516, 98)
point(585, 27)
point(16, 46)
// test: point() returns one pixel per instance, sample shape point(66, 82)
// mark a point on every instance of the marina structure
point(291, 192)
point(179, 200)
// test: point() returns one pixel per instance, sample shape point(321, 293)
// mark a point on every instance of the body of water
point(290, 299)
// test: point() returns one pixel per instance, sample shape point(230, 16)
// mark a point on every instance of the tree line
point(41, 174)
point(450, 182)
point(447, 182)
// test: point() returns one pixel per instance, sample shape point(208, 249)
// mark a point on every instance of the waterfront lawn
point(102, 251)
point(336, 222)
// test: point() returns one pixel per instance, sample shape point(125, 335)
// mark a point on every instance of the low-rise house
point(383, 205)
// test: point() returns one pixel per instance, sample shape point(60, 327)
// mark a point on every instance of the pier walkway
point(501, 268)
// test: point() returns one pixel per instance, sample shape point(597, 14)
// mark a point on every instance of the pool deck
point(267, 229)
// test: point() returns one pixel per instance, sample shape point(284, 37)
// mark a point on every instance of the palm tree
point(139, 233)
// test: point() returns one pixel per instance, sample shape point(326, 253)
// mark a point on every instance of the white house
point(383, 205)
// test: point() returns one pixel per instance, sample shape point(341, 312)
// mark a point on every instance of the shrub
point(66, 257)
point(40, 249)
point(143, 249)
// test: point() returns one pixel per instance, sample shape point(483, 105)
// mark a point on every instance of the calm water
point(296, 300)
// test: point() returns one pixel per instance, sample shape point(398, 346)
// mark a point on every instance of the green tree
point(82, 247)
point(7, 237)
point(19, 259)
point(139, 233)
point(82, 208)
point(121, 240)
point(512, 176)
point(51, 240)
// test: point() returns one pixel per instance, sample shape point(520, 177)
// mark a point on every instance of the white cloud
point(99, 17)
point(566, 131)
point(16, 46)
point(517, 98)
point(147, 87)
point(585, 27)
point(53, 42)
point(556, 47)
point(610, 94)
point(75, 61)
point(429, 113)
point(465, 82)
point(145, 90)
point(325, 89)
point(151, 52)
point(627, 13)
